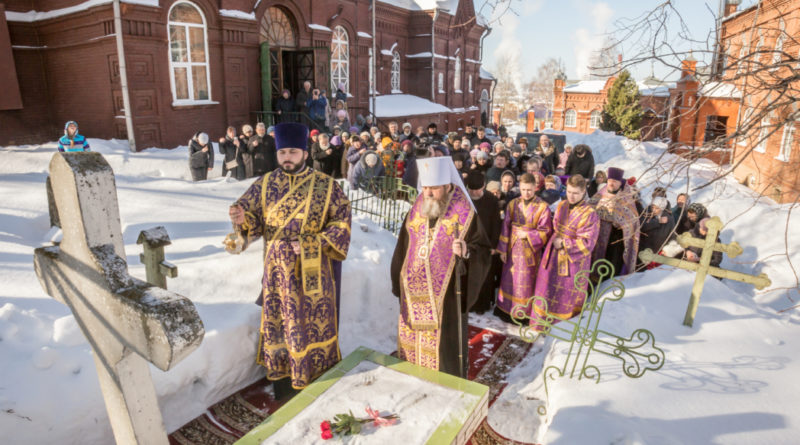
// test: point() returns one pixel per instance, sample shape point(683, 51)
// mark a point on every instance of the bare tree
point(539, 90)
point(506, 94)
point(748, 63)
point(605, 62)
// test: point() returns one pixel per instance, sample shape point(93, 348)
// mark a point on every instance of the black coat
point(229, 151)
point(324, 162)
point(301, 100)
point(286, 107)
point(200, 161)
point(262, 148)
point(580, 166)
point(654, 233)
point(716, 257)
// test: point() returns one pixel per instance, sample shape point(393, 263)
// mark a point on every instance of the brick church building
point(205, 64)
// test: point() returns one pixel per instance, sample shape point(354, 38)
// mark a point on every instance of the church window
point(188, 54)
point(340, 59)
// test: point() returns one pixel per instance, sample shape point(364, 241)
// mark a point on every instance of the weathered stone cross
point(127, 321)
point(703, 268)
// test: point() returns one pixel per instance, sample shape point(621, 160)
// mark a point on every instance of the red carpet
point(491, 356)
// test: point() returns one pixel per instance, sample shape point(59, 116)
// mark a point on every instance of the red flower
point(325, 426)
point(327, 434)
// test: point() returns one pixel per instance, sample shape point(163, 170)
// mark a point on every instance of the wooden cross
point(703, 267)
point(157, 269)
point(127, 321)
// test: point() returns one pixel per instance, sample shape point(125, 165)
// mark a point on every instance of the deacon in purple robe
point(526, 229)
point(441, 229)
point(303, 216)
point(568, 252)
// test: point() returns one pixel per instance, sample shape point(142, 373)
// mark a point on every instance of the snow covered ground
point(729, 379)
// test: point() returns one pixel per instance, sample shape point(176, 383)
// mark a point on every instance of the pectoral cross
point(128, 322)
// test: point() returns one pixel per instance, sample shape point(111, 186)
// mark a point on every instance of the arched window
point(441, 83)
point(457, 75)
point(594, 119)
point(396, 72)
point(188, 58)
point(570, 118)
point(469, 79)
point(277, 29)
point(778, 53)
point(340, 59)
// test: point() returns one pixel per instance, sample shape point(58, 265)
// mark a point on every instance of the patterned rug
point(492, 356)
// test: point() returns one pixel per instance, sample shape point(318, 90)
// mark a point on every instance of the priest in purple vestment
point(526, 229)
point(440, 230)
point(568, 252)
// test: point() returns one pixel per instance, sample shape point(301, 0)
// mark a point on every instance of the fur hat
point(291, 135)
point(493, 186)
point(616, 173)
point(660, 202)
point(475, 180)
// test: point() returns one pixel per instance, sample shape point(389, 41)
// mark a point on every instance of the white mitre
point(440, 171)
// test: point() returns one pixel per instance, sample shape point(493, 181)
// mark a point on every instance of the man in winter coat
point(368, 168)
point(284, 106)
point(72, 141)
point(326, 156)
point(317, 106)
point(549, 155)
point(262, 147)
point(656, 225)
point(580, 162)
point(432, 137)
point(488, 209)
point(201, 157)
point(301, 100)
point(231, 149)
point(501, 164)
point(480, 137)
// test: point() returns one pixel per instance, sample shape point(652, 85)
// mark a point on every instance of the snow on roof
point(649, 89)
point(586, 86)
point(386, 52)
point(319, 27)
point(421, 5)
point(35, 16)
point(363, 34)
point(236, 14)
point(486, 75)
point(720, 90)
point(393, 105)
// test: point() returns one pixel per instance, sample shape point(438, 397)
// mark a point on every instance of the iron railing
point(384, 200)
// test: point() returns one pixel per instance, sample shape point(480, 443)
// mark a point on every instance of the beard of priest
point(441, 224)
point(304, 218)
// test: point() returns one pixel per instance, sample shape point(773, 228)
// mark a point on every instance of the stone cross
point(703, 268)
point(127, 321)
point(157, 269)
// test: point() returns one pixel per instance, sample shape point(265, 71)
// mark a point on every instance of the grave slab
point(434, 408)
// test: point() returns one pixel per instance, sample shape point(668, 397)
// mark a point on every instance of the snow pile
point(392, 105)
point(55, 396)
point(729, 379)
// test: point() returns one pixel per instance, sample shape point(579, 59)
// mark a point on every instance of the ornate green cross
point(704, 268)
point(637, 352)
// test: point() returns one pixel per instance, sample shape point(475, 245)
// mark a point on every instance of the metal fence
point(384, 200)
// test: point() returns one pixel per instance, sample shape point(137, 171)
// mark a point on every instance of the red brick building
point(204, 64)
point(579, 106)
point(765, 34)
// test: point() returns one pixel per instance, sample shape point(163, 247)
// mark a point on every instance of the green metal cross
point(637, 352)
point(703, 267)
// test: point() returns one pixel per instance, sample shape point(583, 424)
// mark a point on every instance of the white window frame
point(762, 136)
point(395, 76)
point(340, 67)
point(441, 82)
point(592, 115)
point(779, 41)
point(787, 141)
point(743, 52)
point(574, 115)
point(457, 75)
point(188, 65)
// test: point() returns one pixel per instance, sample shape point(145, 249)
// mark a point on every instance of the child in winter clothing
point(72, 141)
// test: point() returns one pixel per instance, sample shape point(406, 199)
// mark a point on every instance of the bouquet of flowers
point(347, 424)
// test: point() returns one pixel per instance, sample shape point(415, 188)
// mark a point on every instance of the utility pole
point(374, 79)
point(123, 77)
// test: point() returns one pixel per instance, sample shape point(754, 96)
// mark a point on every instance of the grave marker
point(127, 321)
point(703, 267)
point(157, 269)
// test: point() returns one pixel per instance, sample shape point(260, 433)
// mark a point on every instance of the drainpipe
point(123, 76)
point(483, 36)
point(433, 54)
point(374, 67)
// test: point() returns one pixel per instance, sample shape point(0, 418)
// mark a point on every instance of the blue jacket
point(316, 108)
point(77, 143)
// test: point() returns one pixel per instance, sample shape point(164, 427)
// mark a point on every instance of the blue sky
point(572, 29)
